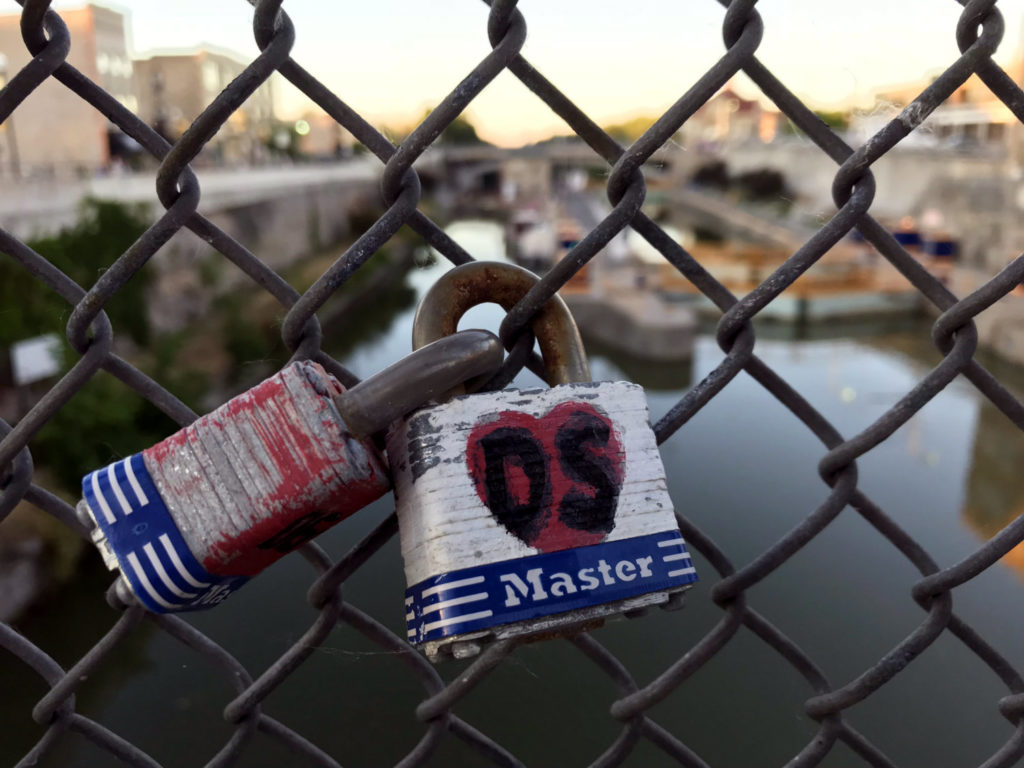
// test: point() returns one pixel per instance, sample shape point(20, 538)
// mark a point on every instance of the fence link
point(89, 332)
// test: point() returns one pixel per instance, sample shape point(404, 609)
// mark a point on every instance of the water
point(744, 471)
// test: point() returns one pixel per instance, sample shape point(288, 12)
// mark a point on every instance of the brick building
point(54, 132)
point(175, 87)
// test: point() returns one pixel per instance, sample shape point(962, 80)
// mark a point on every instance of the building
point(728, 118)
point(175, 87)
point(54, 132)
point(321, 138)
point(972, 118)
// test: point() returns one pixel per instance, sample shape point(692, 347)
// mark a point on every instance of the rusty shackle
point(482, 282)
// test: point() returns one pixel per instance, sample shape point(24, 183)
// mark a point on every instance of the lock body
point(192, 518)
point(526, 513)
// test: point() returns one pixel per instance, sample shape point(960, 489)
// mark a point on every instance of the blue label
point(150, 550)
point(516, 590)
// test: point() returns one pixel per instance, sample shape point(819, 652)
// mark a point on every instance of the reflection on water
point(995, 493)
point(743, 470)
point(650, 374)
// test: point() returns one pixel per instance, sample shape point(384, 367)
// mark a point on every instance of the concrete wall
point(280, 214)
point(902, 177)
point(278, 229)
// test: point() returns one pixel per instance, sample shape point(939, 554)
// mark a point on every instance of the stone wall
point(279, 229)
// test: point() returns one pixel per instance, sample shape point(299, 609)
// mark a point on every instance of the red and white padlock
point(192, 518)
point(529, 513)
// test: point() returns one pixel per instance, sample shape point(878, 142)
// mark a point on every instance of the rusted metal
point(418, 378)
point(481, 282)
point(499, 490)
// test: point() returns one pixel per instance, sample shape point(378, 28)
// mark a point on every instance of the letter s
point(582, 443)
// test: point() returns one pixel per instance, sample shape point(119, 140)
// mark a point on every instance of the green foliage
point(712, 175)
point(104, 420)
point(101, 423)
point(629, 131)
point(461, 131)
point(761, 185)
point(837, 121)
point(103, 232)
point(248, 339)
point(188, 385)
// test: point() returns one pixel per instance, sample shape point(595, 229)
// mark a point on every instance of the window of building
point(211, 78)
point(103, 63)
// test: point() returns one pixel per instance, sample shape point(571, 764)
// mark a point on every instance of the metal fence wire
point(89, 332)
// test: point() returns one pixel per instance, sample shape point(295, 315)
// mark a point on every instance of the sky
point(393, 59)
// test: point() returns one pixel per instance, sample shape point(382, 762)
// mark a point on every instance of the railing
point(89, 332)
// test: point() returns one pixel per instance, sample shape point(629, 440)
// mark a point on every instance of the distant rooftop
point(196, 50)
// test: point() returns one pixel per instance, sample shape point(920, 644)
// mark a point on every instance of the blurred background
point(739, 187)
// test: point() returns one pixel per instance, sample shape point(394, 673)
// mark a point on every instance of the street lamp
point(12, 143)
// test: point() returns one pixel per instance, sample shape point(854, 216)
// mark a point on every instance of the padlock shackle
point(424, 375)
point(482, 282)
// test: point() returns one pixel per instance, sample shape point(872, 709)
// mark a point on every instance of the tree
point(461, 131)
point(837, 121)
point(712, 175)
point(762, 185)
point(629, 131)
point(103, 232)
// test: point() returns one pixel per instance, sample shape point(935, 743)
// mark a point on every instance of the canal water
point(744, 471)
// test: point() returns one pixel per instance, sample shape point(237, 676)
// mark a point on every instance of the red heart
point(552, 482)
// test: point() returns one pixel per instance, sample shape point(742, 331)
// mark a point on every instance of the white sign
point(35, 359)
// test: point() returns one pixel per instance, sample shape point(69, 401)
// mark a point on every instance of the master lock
point(527, 513)
point(192, 518)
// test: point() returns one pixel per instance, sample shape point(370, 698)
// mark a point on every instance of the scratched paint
point(446, 524)
point(552, 482)
point(265, 472)
point(526, 513)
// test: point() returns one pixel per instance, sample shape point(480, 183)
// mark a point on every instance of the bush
point(103, 232)
point(762, 185)
point(713, 175)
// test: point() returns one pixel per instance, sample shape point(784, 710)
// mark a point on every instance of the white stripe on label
point(451, 585)
point(408, 601)
point(457, 620)
point(139, 493)
point(180, 566)
point(411, 634)
point(159, 568)
point(682, 572)
point(104, 507)
point(141, 574)
point(112, 479)
point(455, 601)
point(410, 616)
point(671, 543)
point(676, 556)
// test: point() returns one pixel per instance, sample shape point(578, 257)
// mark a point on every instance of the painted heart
point(553, 482)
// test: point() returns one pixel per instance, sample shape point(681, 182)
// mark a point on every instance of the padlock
point(192, 518)
point(529, 513)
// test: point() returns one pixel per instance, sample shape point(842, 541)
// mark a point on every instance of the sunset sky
point(391, 59)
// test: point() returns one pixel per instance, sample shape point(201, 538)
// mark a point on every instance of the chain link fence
point(89, 332)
